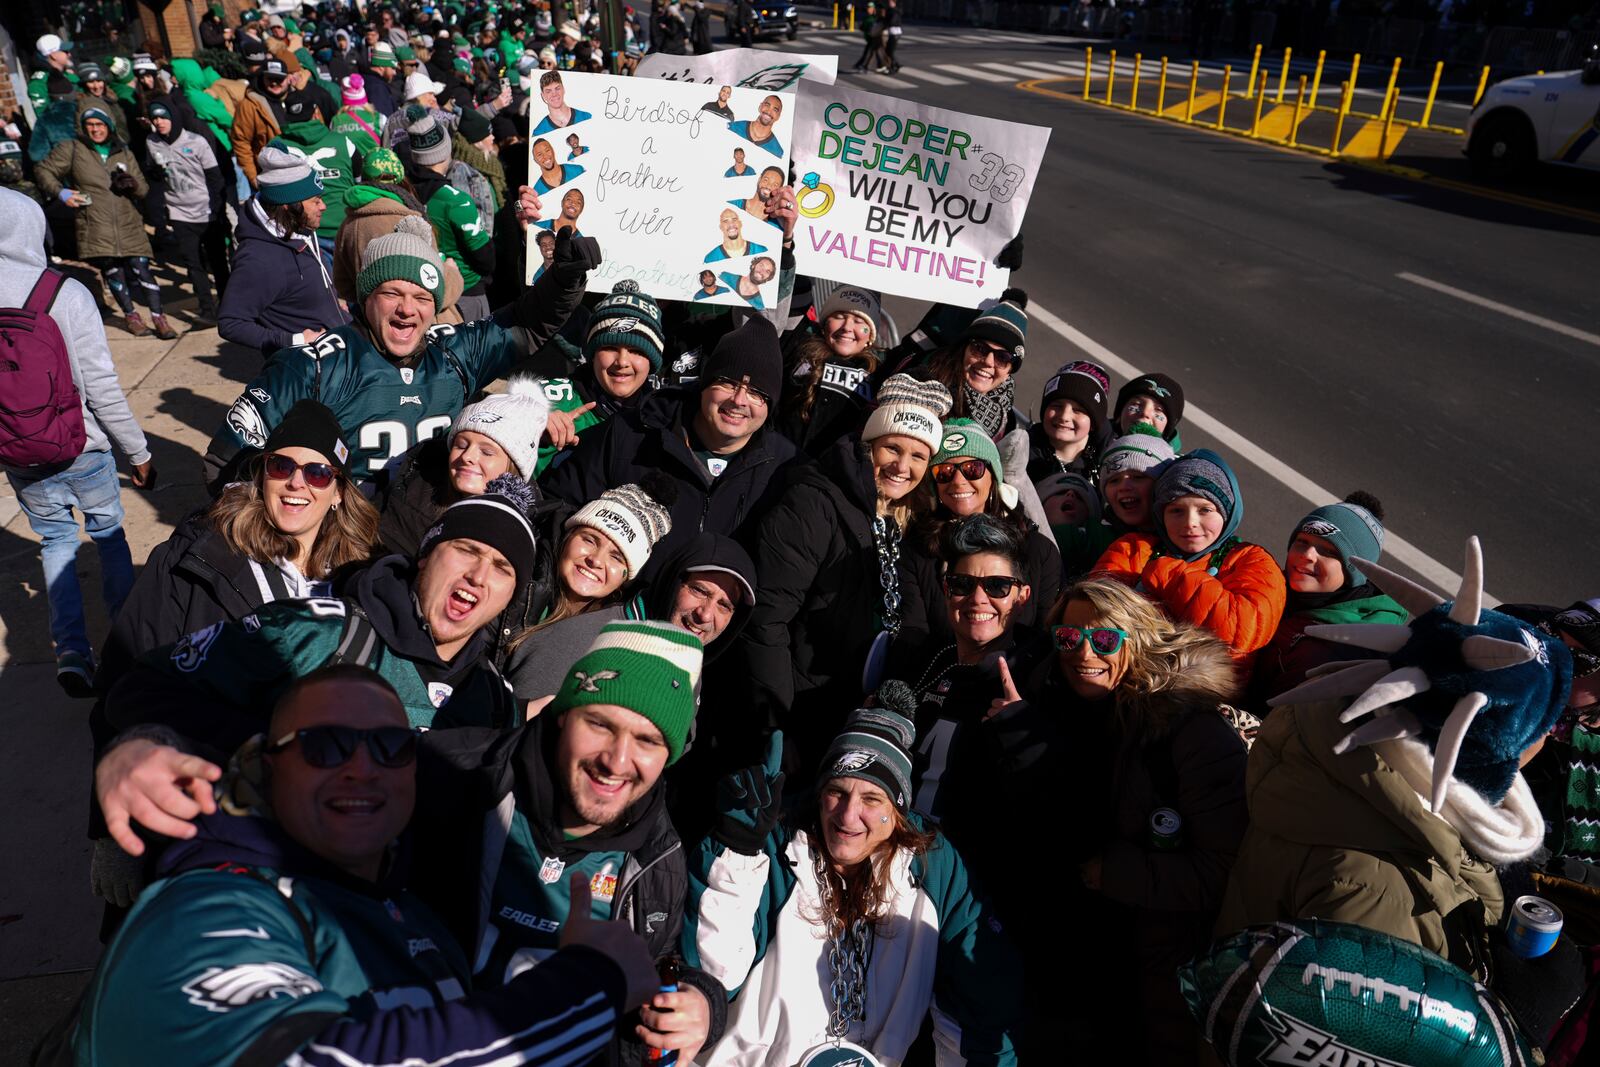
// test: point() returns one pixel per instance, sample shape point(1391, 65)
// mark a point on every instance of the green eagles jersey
point(335, 157)
point(563, 396)
point(363, 125)
point(456, 223)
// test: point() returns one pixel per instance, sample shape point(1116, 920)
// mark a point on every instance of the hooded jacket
point(189, 185)
point(653, 437)
point(370, 212)
point(255, 123)
point(107, 419)
point(1283, 663)
point(293, 960)
point(1348, 838)
point(278, 288)
point(111, 226)
point(206, 93)
point(503, 785)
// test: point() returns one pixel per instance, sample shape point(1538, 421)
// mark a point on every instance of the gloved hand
point(750, 801)
point(115, 876)
point(575, 258)
point(1010, 257)
point(122, 183)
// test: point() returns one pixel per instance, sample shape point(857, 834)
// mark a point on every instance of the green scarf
point(362, 195)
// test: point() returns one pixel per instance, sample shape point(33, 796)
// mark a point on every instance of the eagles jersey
point(384, 408)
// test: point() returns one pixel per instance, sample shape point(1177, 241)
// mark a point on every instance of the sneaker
point(882, 70)
point(75, 675)
point(135, 325)
point(164, 329)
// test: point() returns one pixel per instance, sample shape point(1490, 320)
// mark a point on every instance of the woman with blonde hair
point(1128, 729)
point(850, 886)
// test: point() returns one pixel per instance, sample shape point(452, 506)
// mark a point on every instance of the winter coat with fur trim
point(1242, 603)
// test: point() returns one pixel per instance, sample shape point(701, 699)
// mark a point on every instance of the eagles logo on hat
point(953, 443)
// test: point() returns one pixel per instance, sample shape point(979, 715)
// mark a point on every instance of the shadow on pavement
point(1471, 205)
point(238, 363)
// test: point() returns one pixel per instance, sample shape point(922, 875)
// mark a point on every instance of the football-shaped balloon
point(1313, 992)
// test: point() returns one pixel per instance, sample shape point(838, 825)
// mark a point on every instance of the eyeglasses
point(733, 389)
point(980, 349)
point(996, 586)
point(1103, 640)
point(281, 468)
point(325, 747)
point(971, 469)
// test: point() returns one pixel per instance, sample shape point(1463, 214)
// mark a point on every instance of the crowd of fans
point(729, 685)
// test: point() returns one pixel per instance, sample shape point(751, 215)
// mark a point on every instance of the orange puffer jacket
point(1242, 603)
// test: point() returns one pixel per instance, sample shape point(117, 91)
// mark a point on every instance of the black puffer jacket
point(923, 607)
point(652, 438)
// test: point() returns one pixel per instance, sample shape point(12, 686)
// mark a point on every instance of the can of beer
point(1166, 827)
point(1532, 926)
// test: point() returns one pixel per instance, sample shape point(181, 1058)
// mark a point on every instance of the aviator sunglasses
point(325, 747)
point(997, 586)
point(971, 469)
point(1103, 640)
point(281, 469)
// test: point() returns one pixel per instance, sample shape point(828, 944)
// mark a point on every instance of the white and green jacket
point(750, 924)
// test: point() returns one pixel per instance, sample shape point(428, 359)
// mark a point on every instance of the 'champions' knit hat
point(875, 746)
point(407, 254)
point(382, 165)
point(1161, 388)
point(752, 352)
point(635, 519)
point(1142, 449)
point(1087, 385)
point(353, 91)
point(910, 407)
point(650, 668)
point(964, 437)
point(627, 317)
point(310, 424)
point(498, 519)
point(856, 301)
point(514, 420)
point(1004, 324)
point(285, 178)
point(1354, 527)
point(430, 141)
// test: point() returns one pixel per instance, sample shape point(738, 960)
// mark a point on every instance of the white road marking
point(1047, 70)
point(1504, 309)
point(885, 79)
point(1240, 446)
point(930, 76)
point(981, 75)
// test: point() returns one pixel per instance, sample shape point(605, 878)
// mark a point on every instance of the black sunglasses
point(325, 747)
point(997, 586)
point(281, 468)
point(1001, 355)
point(971, 469)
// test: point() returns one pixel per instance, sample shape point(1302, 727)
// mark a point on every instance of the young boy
point(1073, 508)
point(1072, 429)
point(1155, 399)
point(1128, 473)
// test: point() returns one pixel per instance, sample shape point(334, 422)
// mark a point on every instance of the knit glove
point(122, 183)
point(750, 801)
point(1010, 257)
point(575, 258)
point(115, 876)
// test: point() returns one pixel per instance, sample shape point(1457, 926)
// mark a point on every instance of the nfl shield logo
point(550, 870)
point(405, 375)
point(394, 911)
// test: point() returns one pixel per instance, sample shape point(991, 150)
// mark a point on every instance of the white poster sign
point(748, 68)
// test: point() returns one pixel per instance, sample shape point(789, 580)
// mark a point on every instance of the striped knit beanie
point(495, 519)
point(407, 254)
point(284, 178)
point(430, 141)
point(650, 668)
point(1142, 449)
point(910, 407)
point(629, 516)
point(1004, 324)
point(874, 746)
point(627, 317)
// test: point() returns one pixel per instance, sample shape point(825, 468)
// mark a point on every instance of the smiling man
point(734, 244)
point(759, 130)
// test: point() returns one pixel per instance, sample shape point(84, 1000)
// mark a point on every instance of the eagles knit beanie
point(1004, 324)
point(632, 516)
point(1142, 449)
point(911, 407)
point(963, 437)
point(856, 301)
point(473, 126)
point(430, 141)
point(407, 254)
point(382, 165)
point(1354, 527)
point(353, 91)
point(749, 352)
point(284, 178)
point(650, 668)
point(875, 746)
point(498, 519)
point(382, 56)
point(514, 420)
point(1160, 388)
point(1087, 385)
point(627, 317)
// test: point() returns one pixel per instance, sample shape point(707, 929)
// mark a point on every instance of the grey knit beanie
point(430, 141)
point(407, 254)
point(284, 178)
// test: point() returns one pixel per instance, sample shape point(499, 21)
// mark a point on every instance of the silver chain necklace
point(849, 952)
point(886, 535)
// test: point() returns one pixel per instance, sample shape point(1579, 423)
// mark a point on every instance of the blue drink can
point(1532, 926)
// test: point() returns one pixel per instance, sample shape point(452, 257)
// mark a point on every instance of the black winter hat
point(1086, 384)
point(752, 352)
point(498, 518)
point(312, 425)
point(473, 127)
point(1161, 388)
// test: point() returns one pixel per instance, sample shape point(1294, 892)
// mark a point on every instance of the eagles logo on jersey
point(221, 989)
point(244, 418)
point(189, 653)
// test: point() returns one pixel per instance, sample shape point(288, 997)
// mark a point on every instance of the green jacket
point(459, 229)
point(336, 159)
point(194, 80)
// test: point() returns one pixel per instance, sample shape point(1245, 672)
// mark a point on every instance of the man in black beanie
point(710, 436)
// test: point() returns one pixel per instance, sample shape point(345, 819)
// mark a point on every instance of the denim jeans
point(88, 483)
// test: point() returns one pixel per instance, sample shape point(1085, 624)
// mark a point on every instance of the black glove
point(749, 802)
point(575, 258)
point(122, 183)
point(1010, 257)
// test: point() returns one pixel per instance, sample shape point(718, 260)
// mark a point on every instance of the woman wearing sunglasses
point(968, 479)
point(980, 368)
point(282, 534)
point(1128, 727)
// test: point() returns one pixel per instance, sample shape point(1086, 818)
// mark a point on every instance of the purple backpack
point(41, 414)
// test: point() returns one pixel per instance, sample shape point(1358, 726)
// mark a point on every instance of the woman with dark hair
point(851, 887)
point(968, 479)
point(830, 372)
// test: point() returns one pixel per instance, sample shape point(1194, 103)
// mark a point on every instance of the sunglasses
point(1001, 355)
point(971, 469)
point(326, 747)
point(1104, 640)
point(281, 468)
point(996, 586)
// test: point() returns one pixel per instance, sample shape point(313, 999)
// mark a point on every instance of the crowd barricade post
point(1299, 108)
point(1255, 64)
point(1345, 89)
point(1111, 74)
point(1222, 105)
point(1138, 67)
point(1088, 70)
point(1316, 79)
point(1283, 75)
point(1433, 91)
point(1194, 84)
point(1161, 88)
point(1261, 99)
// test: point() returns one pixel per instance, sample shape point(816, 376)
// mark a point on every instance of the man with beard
point(577, 792)
point(759, 131)
point(767, 187)
point(719, 106)
point(551, 173)
point(762, 271)
point(734, 244)
point(391, 377)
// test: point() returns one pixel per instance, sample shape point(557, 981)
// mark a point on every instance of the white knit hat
point(630, 517)
point(514, 420)
point(910, 407)
point(419, 83)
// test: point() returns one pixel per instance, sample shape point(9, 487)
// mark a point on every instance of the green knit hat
point(964, 437)
point(382, 56)
point(407, 254)
point(650, 668)
point(382, 165)
point(404, 54)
